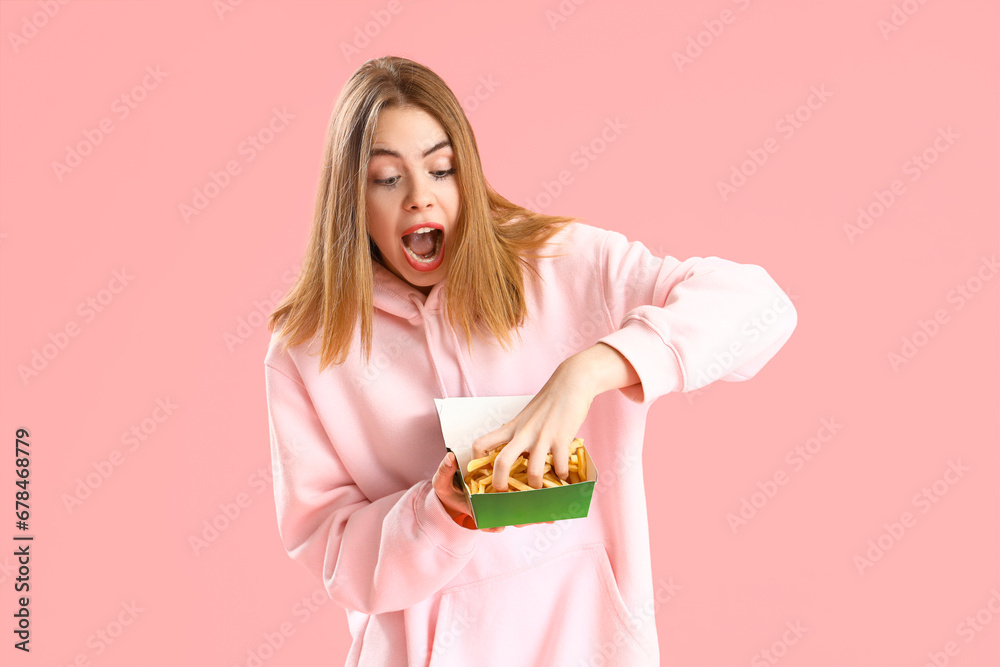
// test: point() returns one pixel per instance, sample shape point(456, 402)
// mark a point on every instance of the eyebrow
point(386, 151)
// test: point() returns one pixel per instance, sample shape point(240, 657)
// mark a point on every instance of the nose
point(419, 196)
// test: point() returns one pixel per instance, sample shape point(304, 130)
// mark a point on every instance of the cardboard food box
point(463, 420)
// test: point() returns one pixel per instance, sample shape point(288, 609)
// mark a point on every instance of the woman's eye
point(444, 173)
point(438, 175)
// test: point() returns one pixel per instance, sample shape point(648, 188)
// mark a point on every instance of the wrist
point(463, 519)
point(600, 368)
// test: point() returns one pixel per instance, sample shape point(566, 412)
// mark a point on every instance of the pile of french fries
point(479, 477)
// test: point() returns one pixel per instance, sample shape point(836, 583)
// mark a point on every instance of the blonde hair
point(494, 237)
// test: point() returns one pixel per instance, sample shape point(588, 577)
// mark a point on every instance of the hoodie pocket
point(565, 610)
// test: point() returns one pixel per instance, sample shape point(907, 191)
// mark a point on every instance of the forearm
point(601, 368)
point(391, 553)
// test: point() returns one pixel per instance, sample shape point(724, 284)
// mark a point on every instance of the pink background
point(552, 87)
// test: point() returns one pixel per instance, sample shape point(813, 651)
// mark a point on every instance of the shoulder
point(572, 266)
point(581, 241)
point(284, 358)
point(580, 232)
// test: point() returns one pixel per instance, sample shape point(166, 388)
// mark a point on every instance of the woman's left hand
point(551, 420)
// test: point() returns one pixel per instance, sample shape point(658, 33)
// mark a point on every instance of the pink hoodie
point(354, 450)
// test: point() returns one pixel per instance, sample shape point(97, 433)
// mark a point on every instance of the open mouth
point(424, 244)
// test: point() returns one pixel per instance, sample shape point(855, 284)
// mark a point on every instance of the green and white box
point(463, 420)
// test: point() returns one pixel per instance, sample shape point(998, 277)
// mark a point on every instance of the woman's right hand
point(451, 497)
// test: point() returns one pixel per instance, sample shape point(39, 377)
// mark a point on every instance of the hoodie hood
point(396, 297)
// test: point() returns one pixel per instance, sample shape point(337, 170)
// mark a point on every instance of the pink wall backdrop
point(841, 508)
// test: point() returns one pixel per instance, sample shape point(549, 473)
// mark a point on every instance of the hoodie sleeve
point(685, 324)
point(372, 556)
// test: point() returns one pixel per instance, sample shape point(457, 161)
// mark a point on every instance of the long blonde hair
point(485, 291)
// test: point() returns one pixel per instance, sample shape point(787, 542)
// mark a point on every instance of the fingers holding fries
point(517, 466)
point(507, 468)
point(543, 428)
point(482, 474)
point(488, 444)
point(561, 452)
point(537, 463)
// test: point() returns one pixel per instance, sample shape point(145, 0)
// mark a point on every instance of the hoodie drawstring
point(461, 364)
point(463, 371)
point(430, 348)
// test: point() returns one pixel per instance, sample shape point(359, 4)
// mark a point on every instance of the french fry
point(479, 476)
point(518, 484)
point(485, 460)
point(550, 480)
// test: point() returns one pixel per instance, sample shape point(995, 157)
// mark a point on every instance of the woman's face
point(412, 199)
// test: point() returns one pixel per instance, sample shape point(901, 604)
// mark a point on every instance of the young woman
point(421, 282)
